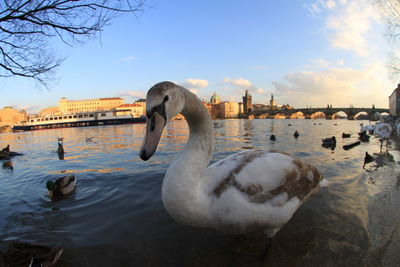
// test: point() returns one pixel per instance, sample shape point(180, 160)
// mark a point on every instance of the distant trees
point(26, 27)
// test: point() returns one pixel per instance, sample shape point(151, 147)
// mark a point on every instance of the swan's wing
point(261, 176)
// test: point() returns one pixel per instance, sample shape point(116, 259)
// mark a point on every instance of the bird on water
point(248, 191)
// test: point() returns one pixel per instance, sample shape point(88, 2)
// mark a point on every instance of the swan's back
point(259, 189)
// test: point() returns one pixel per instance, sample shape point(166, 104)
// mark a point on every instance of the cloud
point(30, 109)
point(243, 83)
point(133, 94)
point(194, 83)
point(348, 23)
point(321, 63)
point(337, 86)
point(260, 90)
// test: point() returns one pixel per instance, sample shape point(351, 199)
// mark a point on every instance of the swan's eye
point(166, 98)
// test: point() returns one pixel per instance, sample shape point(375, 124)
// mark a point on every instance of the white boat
point(77, 120)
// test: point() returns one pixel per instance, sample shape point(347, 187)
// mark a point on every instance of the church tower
point(215, 100)
point(247, 102)
point(272, 103)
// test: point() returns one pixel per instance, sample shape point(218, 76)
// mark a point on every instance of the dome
point(215, 99)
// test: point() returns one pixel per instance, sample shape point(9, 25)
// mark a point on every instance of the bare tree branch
point(26, 28)
point(391, 11)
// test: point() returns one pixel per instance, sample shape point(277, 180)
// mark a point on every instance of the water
point(116, 217)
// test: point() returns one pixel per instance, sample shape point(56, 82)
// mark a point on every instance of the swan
point(384, 131)
point(253, 190)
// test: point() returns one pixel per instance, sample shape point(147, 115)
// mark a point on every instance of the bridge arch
point(318, 115)
point(362, 115)
point(297, 115)
point(279, 116)
point(340, 115)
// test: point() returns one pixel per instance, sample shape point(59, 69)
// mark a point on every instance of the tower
point(272, 103)
point(247, 102)
point(215, 99)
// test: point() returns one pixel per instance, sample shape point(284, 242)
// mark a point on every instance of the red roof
point(111, 98)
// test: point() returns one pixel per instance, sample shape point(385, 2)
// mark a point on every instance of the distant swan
point(247, 191)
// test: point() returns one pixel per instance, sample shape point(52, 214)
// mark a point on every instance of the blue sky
point(304, 52)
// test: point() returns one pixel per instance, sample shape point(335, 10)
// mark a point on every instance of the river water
point(116, 217)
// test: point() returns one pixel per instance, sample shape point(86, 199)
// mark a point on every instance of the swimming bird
point(6, 153)
point(89, 139)
point(345, 135)
point(368, 159)
point(62, 186)
point(6, 149)
point(26, 254)
point(272, 137)
point(60, 151)
point(384, 132)
point(363, 136)
point(296, 134)
point(248, 191)
point(330, 141)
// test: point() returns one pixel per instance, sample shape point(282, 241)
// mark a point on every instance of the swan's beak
point(154, 128)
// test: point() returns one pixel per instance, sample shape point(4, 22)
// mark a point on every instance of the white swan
point(249, 190)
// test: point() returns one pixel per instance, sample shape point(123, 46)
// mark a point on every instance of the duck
point(296, 134)
point(27, 254)
point(346, 135)
point(62, 186)
point(368, 158)
point(6, 153)
point(60, 151)
point(272, 137)
point(363, 136)
point(6, 149)
point(330, 141)
point(249, 191)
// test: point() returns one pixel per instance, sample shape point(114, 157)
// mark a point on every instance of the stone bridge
point(311, 113)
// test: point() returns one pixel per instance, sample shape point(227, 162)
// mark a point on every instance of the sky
point(304, 52)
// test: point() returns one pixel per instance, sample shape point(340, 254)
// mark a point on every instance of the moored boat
point(77, 120)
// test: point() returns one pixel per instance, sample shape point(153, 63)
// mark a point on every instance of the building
point(228, 110)
point(272, 103)
point(394, 102)
point(136, 109)
point(49, 111)
point(88, 105)
point(212, 110)
point(247, 106)
point(11, 116)
point(215, 100)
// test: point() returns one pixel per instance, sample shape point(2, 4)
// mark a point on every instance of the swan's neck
point(183, 194)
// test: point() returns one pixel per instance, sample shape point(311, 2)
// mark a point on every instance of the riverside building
point(66, 106)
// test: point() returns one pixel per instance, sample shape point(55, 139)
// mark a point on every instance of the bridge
point(313, 113)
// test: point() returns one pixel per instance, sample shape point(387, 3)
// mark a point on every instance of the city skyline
point(306, 53)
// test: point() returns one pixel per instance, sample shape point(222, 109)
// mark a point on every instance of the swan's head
point(164, 101)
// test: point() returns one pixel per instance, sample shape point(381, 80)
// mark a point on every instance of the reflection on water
point(116, 217)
